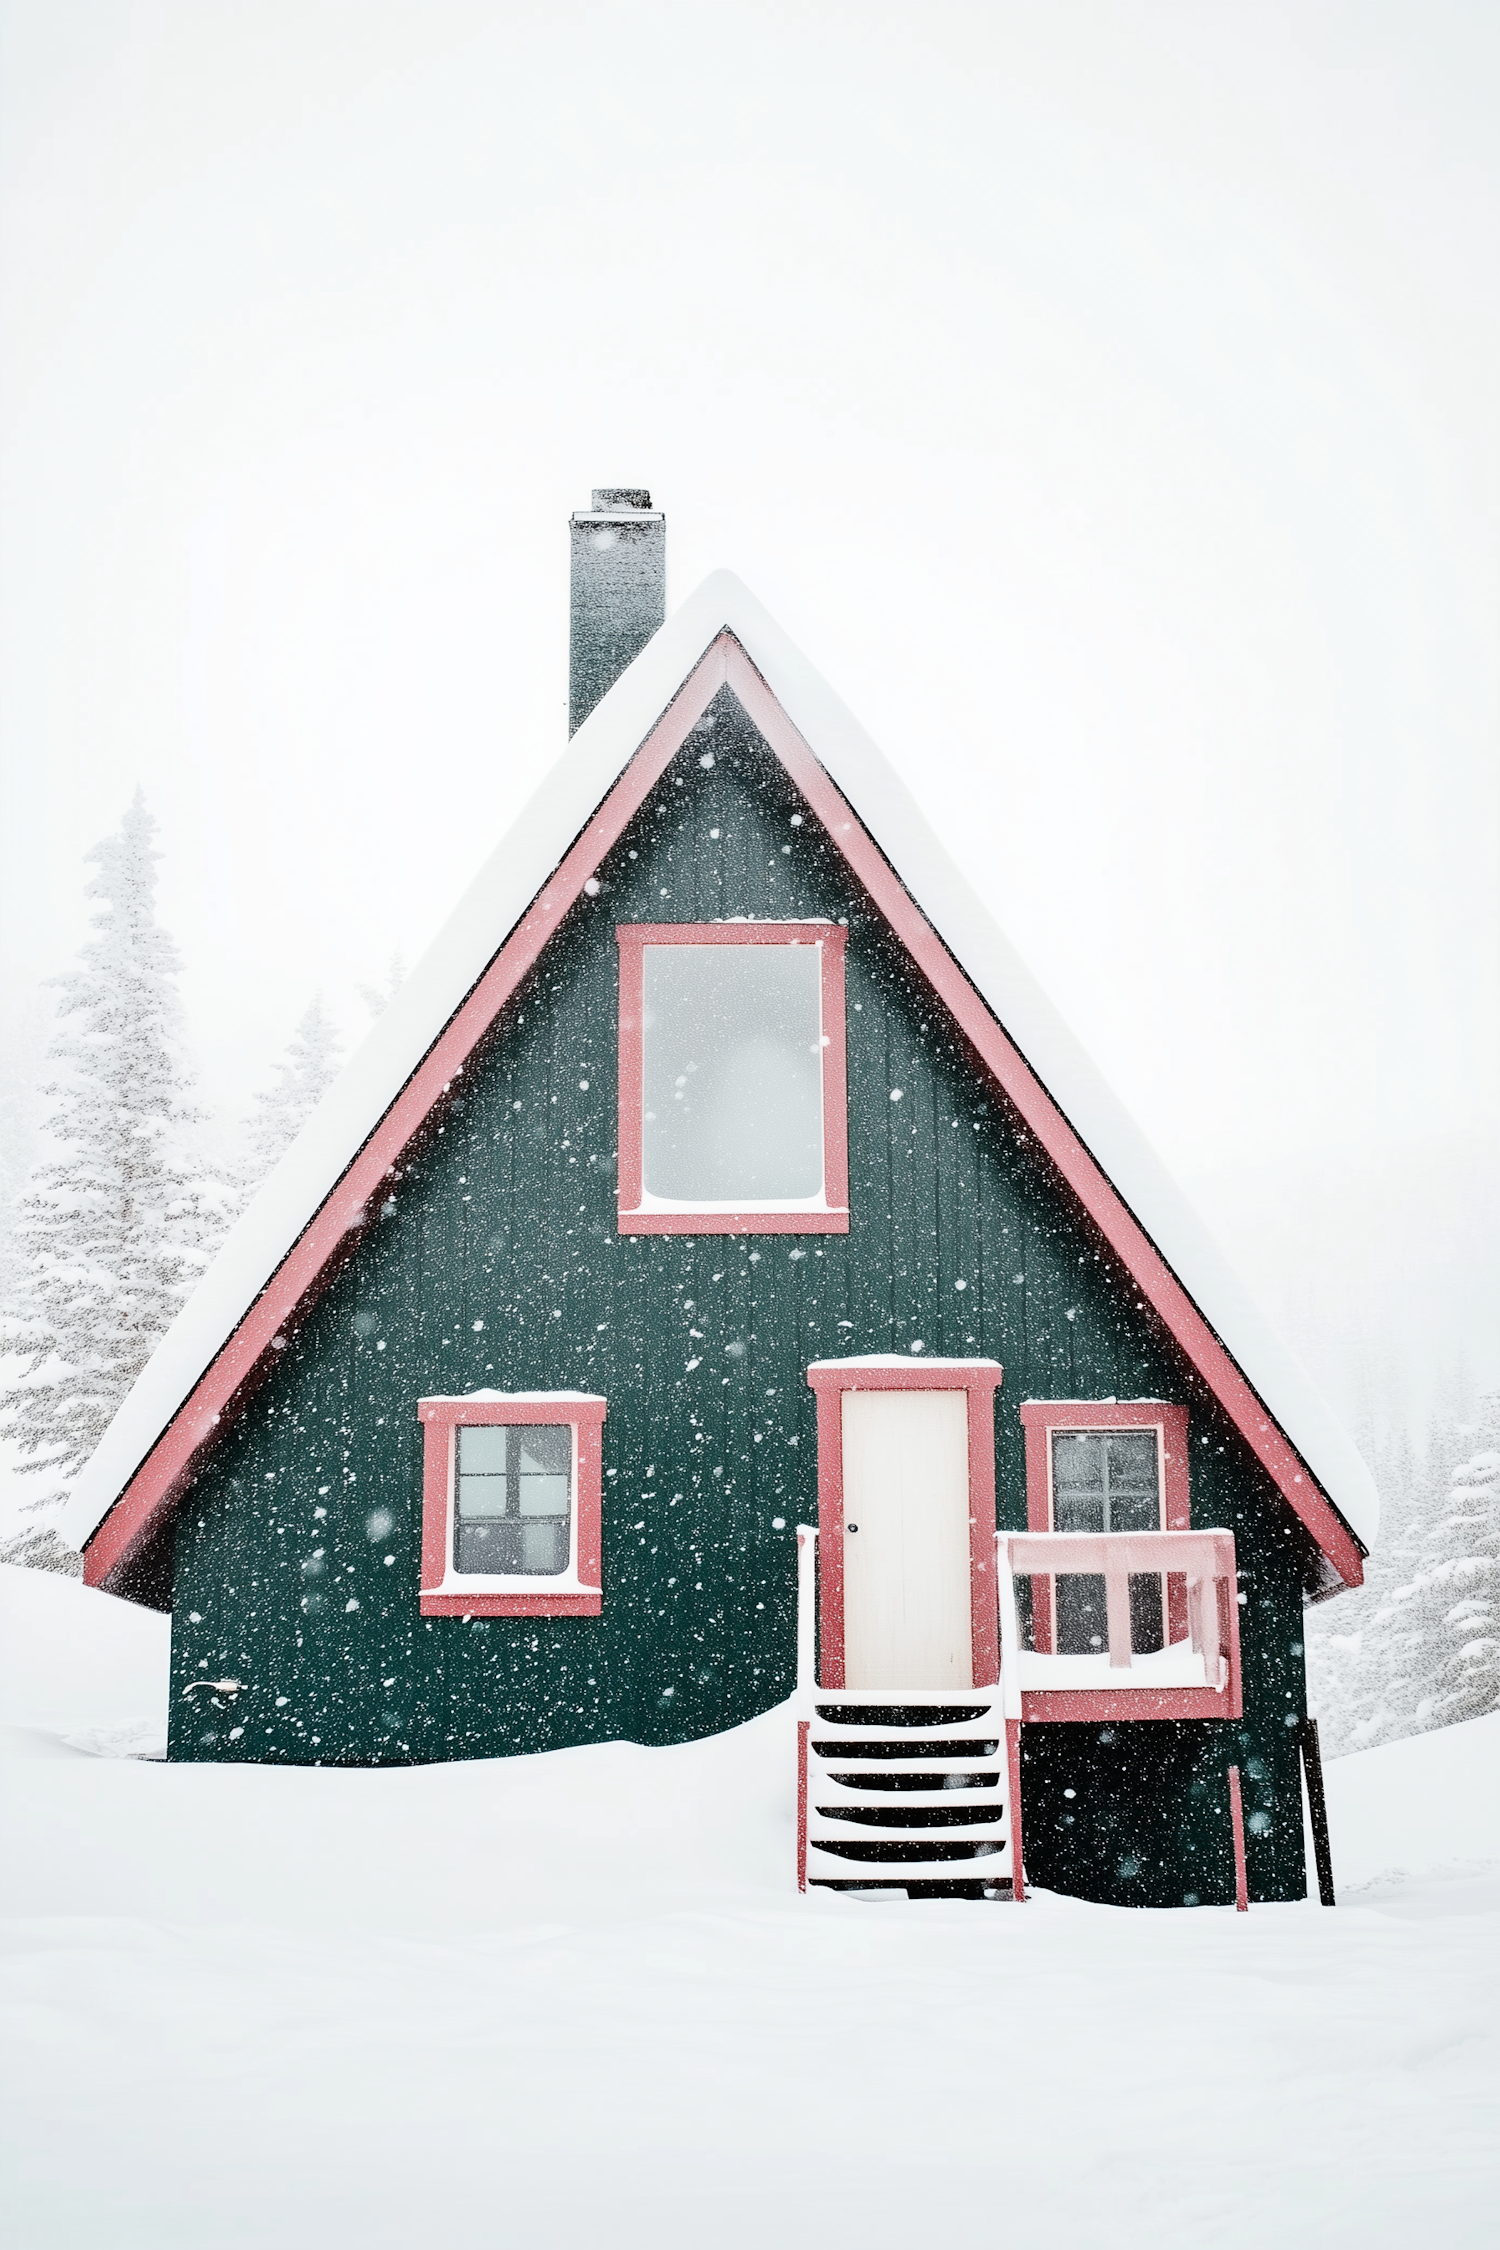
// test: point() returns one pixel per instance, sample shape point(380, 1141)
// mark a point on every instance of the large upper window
point(511, 1504)
point(732, 1108)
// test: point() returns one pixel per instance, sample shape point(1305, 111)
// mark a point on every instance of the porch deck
point(919, 1789)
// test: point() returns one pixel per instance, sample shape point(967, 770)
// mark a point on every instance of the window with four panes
point(1106, 1480)
point(515, 1499)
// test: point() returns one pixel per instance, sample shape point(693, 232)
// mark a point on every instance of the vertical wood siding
point(498, 1263)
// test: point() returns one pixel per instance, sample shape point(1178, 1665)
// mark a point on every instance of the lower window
point(515, 1499)
point(1106, 1480)
point(1104, 1629)
point(512, 1504)
point(1105, 1466)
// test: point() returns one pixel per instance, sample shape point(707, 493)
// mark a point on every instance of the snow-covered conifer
point(1350, 1660)
point(1449, 1616)
point(120, 1216)
point(377, 998)
point(1419, 1645)
point(308, 1067)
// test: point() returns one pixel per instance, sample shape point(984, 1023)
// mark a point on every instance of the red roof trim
point(316, 1255)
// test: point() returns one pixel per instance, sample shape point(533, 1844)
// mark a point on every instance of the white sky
point(1103, 395)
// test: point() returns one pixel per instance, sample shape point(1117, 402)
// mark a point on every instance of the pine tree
point(120, 1217)
point(23, 1049)
point(1350, 1660)
point(1419, 1645)
point(1449, 1616)
point(377, 998)
point(308, 1068)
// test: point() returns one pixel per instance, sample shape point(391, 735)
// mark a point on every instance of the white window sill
point(565, 1582)
point(752, 1207)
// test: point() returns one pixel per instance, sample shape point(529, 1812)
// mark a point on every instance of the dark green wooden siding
point(498, 1263)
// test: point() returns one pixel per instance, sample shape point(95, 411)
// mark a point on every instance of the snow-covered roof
point(516, 878)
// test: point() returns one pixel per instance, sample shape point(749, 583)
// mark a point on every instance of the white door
point(906, 1540)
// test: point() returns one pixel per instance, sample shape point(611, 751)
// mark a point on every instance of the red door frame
point(980, 1378)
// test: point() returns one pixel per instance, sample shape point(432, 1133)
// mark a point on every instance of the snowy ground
point(573, 2000)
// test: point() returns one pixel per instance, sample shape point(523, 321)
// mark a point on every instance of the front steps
point(908, 1792)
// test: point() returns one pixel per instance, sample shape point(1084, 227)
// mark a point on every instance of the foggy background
point(1103, 396)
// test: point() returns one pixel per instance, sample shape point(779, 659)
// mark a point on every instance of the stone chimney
point(618, 595)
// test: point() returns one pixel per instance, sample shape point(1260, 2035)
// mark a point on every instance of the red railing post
point(1237, 1822)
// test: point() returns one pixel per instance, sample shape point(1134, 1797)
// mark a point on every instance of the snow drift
point(569, 1998)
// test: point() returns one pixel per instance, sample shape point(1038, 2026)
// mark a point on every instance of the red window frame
point(1041, 1417)
point(440, 1595)
point(833, 1218)
point(980, 1378)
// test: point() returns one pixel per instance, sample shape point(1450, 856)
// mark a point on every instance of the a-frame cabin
point(720, 1168)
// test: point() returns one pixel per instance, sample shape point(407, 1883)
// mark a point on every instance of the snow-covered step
point(907, 1792)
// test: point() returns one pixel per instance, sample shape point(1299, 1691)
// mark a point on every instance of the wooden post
point(807, 1599)
point(803, 1729)
point(1010, 1698)
point(1237, 1822)
point(1013, 1776)
point(1317, 1805)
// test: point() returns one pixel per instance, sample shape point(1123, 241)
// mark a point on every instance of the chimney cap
point(617, 594)
point(617, 499)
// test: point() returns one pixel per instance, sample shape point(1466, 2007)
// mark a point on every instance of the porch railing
point(1195, 1674)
